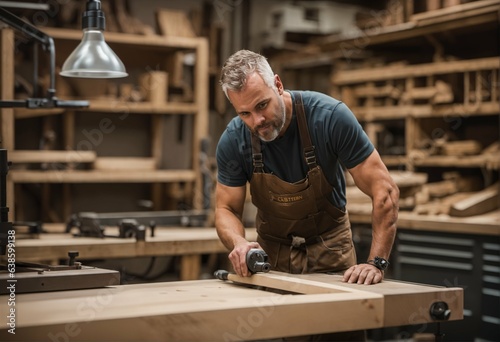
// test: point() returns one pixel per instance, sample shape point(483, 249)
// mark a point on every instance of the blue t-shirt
point(338, 138)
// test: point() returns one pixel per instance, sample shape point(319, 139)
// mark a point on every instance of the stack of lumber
point(478, 203)
point(409, 184)
point(457, 195)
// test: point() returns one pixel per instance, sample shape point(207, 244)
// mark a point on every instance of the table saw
point(263, 306)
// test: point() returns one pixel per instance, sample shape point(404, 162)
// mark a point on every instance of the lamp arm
point(47, 42)
point(24, 27)
point(51, 49)
point(35, 34)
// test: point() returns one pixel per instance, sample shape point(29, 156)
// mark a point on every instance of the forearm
point(384, 219)
point(229, 227)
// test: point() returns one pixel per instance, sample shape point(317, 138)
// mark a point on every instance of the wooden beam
point(201, 119)
point(461, 148)
point(424, 111)
point(452, 12)
point(38, 156)
point(174, 23)
point(394, 72)
point(412, 29)
point(124, 163)
point(99, 176)
point(7, 114)
point(283, 282)
point(131, 40)
point(7, 87)
point(479, 203)
point(141, 107)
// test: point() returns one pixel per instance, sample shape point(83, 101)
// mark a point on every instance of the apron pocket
point(330, 256)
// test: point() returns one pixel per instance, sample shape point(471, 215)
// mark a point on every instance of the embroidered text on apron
point(298, 227)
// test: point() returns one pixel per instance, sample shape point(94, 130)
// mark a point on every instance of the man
point(292, 147)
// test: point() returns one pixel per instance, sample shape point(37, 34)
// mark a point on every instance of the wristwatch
point(379, 263)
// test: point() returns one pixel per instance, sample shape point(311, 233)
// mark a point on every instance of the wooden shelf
point(421, 25)
point(130, 40)
point(424, 111)
point(486, 224)
point(346, 77)
point(24, 113)
point(394, 160)
point(98, 176)
point(454, 161)
point(37, 156)
point(116, 106)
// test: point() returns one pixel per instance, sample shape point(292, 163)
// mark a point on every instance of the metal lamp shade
point(93, 58)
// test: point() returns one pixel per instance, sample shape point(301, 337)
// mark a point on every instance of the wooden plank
point(446, 161)
point(131, 40)
point(387, 90)
point(447, 13)
point(38, 156)
point(486, 224)
point(408, 179)
point(424, 111)
point(23, 113)
point(395, 160)
point(7, 114)
point(141, 107)
point(7, 87)
point(124, 163)
point(461, 148)
point(201, 122)
point(412, 29)
point(440, 93)
point(157, 138)
point(418, 70)
point(99, 176)
point(479, 203)
point(281, 281)
point(440, 206)
point(174, 23)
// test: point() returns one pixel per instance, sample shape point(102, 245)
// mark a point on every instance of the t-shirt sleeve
point(230, 170)
point(351, 143)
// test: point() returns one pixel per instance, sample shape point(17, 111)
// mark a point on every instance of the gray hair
point(240, 65)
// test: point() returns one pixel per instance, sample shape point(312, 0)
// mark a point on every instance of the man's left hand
point(363, 274)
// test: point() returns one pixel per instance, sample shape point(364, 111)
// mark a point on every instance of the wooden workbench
point(486, 224)
point(216, 310)
point(188, 243)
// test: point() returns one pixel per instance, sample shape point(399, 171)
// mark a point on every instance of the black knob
point(72, 256)
point(440, 311)
point(152, 225)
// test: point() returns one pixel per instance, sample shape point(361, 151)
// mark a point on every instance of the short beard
point(277, 130)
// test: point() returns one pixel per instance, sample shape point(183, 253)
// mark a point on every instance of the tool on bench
point(89, 225)
point(256, 262)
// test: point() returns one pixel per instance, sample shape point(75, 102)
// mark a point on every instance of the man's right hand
point(238, 257)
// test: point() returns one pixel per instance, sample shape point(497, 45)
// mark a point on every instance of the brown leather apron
point(298, 227)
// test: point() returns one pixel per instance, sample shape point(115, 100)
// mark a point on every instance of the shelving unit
point(428, 79)
point(433, 92)
point(78, 163)
point(389, 93)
